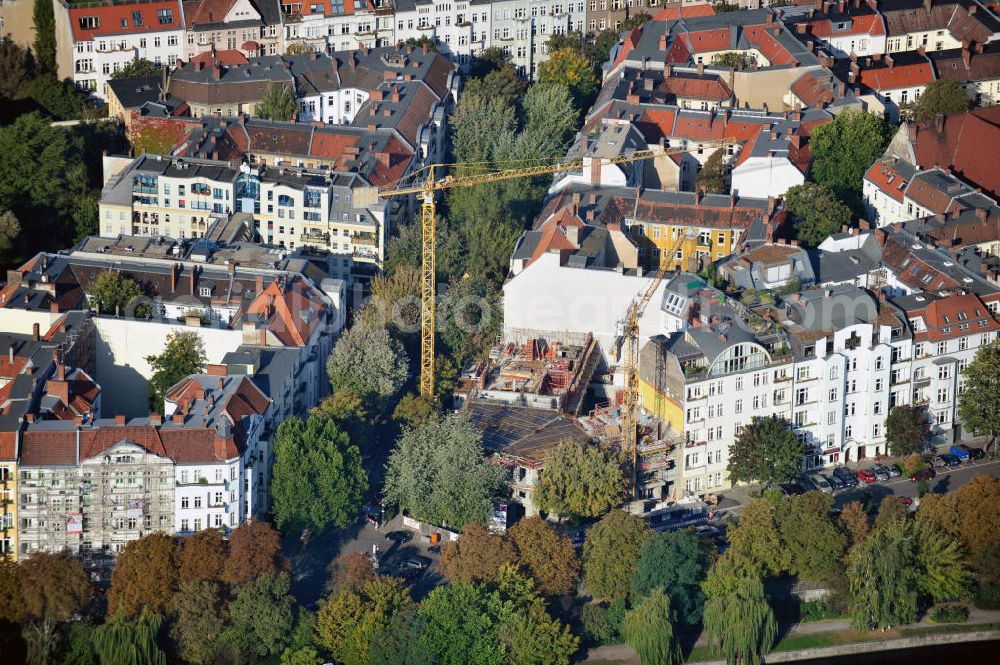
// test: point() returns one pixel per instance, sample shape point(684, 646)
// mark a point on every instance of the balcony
point(321, 237)
point(364, 239)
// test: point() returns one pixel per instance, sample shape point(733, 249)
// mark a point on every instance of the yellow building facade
point(699, 245)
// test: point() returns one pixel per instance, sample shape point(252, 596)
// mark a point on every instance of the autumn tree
point(739, 621)
point(549, 558)
point(297, 48)
point(712, 176)
point(570, 68)
point(756, 537)
point(882, 579)
point(649, 629)
point(977, 404)
point(477, 556)
point(319, 479)
point(674, 563)
point(196, 609)
point(263, 615)
point(733, 60)
point(814, 542)
point(278, 103)
point(349, 621)
point(54, 588)
point(11, 597)
point(182, 355)
point(854, 520)
point(350, 572)
point(905, 429)
point(145, 575)
point(580, 480)
point(254, 549)
point(941, 97)
point(978, 521)
point(890, 509)
point(439, 474)
point(766, 451)
point(203, 556)
point(611, 552)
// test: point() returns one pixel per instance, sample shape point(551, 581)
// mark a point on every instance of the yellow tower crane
point(426, 186)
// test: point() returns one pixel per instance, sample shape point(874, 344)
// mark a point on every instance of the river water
point(968, 653)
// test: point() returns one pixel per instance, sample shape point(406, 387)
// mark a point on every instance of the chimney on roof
point(663, 42)
point(262, 337)
point(809, 46)
point(425, 48)
point(771, 203)
point(259, 284)
point(981, 214)
point(119, 420)
point(889, 61)
point(395, 93)
point(668, 71)
point(701, 68)
point(29, 417)
point(967, 56)
point(939, 123)
point(800, 28)
point(927, 5)
point(54, 307)
point(214, 369)
point(372, 127)
point(840, 6)
point(36, 331)
point(155, 419)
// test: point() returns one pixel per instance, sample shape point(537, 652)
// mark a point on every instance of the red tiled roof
point(114, 20)
point(884, 176)
point(8, 445)
point(959, 146)
point(881, 77)
point(707, 41)
point(285, 307)
point(693, 11)
point(954, 311)
point(224, 58)
point(398, 158)
point(198, 12)
point(712, 88)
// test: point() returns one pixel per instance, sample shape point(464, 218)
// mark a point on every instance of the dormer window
point(205, 291)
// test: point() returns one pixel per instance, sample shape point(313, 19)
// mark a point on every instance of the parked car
point(835, 482)
point(821, 483)
point(776, 488)
point(867, 475)
point(961, 452)
point(926, 474)
point(895, 470)
point(939, 461)
point(794, 488)
point(951, 460)
point(977, 453)
point(846, 476)
point(907, 501)
point(399, 536)
point(881, 472)
point(417, 562)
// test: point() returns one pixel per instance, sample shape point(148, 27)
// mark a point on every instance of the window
point(165, 16)
point(136, 19)
point(197, 502)
point(185, 525)
point(738, 406)
point(942, 395)
point(944, 372)
point(185, 502)
point(942, 348)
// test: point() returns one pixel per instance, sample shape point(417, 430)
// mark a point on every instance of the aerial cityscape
point(500, 332)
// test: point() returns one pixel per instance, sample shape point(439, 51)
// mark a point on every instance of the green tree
point(368, 362)
point(549, 558)
point(414, 410)
point(297, 48)
point(182, 355)
point(85, 218)
point(712, 177)
point(138, 68)
point(278, 103)
point(474, 316)
point(349, 413)
point(532, 637)
point(843, 150)
point(349, 622)
point(145, 576)
point(816, 213)
point(123, 641)
point(477, 556)
point(118, 294)
point(905, 429)
point(458, 626)
point(422, 42)
point(890, 509)
point(488, 60)
point(673, 563)
point(197, 608)
point(60, 100)
point(438, 473)
point(574, 70)
point(10, 234)
point(766, 451)
point(814, 542)
point(738, 619)
point(478, 126)
point(733, 60)
point(649, 629)
point(502, 83)
point(882, 578)
point(979, 401)
point(16, 67)
point(756, 537)
point(254, 550)
point(78, 644)
point(318, 476)
point(54, 588)
point(304, 656)
point(263, 615)
point(940, 561)
point(611, 552)
point(941, 97)
point(45, 36)
point(549, 120)
point(580, 480)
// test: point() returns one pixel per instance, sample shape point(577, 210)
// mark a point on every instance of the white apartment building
point(521, 28)
point(460, 29)
point(104, 38)
point(336, 25)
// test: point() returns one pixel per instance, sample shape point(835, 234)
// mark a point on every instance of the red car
point(926, 474)
point(907, 501)
point(867, 475)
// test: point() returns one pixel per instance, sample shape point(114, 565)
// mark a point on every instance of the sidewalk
point(624, 654)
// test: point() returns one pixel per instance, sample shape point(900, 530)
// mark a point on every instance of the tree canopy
point(843, 150)
point(573, 69)
point(349, 621)
point(115, 293)
point(123, 641)
point(477, 556)
point(766, 451)
point(254, 549)
point(580, 480)
point(318, 478)
point(45, 36)
point(738, 619)
point(905, 429)
point(196, 610)
point(136, 68)
point(611, 552)
point(812, 539)
point(278, 103)
point(145, 576)
point(673, 562)
point(203, 556)
point(439, 474)
point(368, 362)
point(649, 629)
point(816, 213)
point(941, 97)
point(756, 537)
point(979, 401)
point(263, 615)
point(547, 557)
point(712, 177)
point(182, 355)
point(883, 581)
